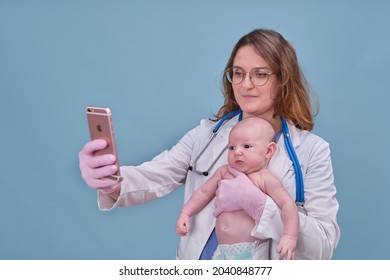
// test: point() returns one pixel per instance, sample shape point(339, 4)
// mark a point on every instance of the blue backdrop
point(158, 65)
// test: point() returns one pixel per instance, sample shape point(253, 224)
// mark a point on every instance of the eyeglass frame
point(230, 79)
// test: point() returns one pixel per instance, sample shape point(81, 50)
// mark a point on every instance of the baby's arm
point(199, 200)
point(288, 242)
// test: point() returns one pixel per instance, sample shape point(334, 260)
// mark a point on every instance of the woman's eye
point(238, 73)
point(261, 74)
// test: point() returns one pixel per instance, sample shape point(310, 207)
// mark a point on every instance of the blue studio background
point(158, 65)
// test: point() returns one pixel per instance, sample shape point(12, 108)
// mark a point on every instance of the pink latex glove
point(239, 194)
point(94, 169)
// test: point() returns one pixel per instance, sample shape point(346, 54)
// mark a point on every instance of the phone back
point(100, 127)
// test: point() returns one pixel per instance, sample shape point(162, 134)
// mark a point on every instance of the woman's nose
point(247, 82)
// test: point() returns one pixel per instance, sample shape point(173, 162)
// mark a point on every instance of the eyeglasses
point(258, 76)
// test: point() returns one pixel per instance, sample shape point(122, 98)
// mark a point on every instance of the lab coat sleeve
point(155, 178)
point(319, 232)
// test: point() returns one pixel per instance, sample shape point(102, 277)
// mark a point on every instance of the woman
point(262, 78)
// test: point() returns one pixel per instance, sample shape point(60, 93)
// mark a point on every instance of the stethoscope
point(299, 200)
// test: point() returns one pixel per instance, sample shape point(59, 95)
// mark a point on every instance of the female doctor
point(262, 78)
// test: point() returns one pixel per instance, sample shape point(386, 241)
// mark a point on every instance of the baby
point(250, 148)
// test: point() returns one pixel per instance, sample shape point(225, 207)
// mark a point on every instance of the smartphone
point(100, 127)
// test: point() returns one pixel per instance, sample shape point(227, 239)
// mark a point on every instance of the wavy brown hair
point(293, 98)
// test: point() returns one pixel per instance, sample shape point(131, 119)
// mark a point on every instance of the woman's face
point(254, 100)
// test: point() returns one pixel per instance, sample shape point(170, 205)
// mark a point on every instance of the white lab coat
point(318, 233)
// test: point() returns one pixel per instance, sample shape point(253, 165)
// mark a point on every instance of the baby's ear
point(271, 149)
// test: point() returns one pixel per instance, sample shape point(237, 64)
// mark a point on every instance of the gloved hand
point(94, 169)
point(239, 194)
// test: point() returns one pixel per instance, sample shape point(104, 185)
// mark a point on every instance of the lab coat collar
point(280, 163)
point(225, 130)
point(223, 136)
point(294, 134)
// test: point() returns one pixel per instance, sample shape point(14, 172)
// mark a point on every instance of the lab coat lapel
point(280, 162)
point(222, 138)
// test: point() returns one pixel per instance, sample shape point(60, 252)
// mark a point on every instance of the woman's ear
point(271, 149)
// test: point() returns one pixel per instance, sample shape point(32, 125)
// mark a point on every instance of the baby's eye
point(247, 146)
point(231, 148)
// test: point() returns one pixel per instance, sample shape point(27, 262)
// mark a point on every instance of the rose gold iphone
point(100, 127)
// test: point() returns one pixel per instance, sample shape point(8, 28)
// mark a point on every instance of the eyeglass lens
point(258, 76)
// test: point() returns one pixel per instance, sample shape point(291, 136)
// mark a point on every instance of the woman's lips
point(247, 96)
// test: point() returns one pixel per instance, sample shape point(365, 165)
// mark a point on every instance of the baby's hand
point(183, 224)
point(286, 247)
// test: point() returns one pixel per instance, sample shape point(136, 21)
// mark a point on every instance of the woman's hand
point(95, 169)
point(239, 193)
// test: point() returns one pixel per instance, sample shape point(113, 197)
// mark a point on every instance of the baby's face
point(247, 150)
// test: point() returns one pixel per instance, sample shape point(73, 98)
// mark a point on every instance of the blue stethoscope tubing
point(300, 199)
point(299, 196)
